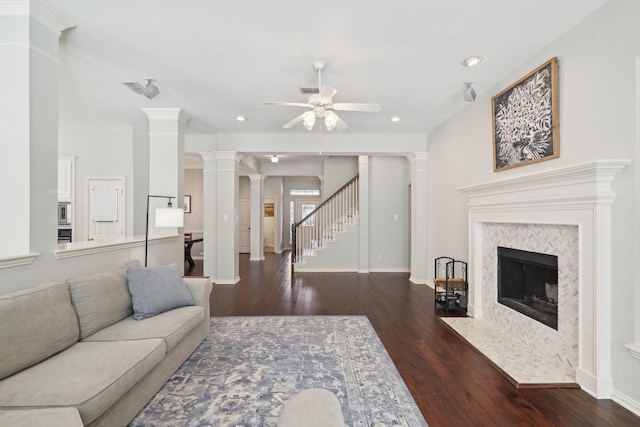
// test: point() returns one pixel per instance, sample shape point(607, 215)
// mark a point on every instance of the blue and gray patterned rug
point(248, 367)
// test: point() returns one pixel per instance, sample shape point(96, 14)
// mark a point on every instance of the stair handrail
point(299, 223)
point(296, 225)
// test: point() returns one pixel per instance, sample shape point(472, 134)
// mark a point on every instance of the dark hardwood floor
point(451, 383)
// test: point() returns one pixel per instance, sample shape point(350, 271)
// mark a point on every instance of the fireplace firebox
point(528, 283)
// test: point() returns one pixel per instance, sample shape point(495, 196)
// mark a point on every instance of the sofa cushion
point(156, 290)
point(102, 299)
point(91, 376)
point(42, 417)
point(35, 324)
point(172, 326)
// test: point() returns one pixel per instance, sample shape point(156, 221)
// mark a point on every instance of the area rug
point(248, 367)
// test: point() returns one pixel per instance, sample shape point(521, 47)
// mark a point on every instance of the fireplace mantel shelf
point(634, 350)
point(569, 185)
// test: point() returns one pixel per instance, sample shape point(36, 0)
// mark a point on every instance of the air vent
point(309, 90)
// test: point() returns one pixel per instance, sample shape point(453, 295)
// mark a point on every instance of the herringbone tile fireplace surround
point(561, 240)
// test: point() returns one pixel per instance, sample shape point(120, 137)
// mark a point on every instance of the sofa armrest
point(200, 288)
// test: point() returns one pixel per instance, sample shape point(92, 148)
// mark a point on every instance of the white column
point(363, 214)
point(419, 230)
point(210, 214)
point(29, 130)
point(166, 168)
point(257, 217)
point(227, 208)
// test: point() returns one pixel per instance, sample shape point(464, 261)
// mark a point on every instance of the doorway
point(244, 226)
point(269, 225)
point(106, 213)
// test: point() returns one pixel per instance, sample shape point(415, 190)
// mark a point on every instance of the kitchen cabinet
point(66, 178)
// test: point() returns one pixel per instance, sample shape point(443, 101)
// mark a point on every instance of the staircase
point(331, 218)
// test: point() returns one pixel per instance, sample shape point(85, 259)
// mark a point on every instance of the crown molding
point(38, 10)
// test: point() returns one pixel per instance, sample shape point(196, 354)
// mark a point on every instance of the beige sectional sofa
point(72, 353)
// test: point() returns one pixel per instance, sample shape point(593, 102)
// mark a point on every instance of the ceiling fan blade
point(351, 106)
point(326, 94)
point(287, 104)
point(134, 86)
point(293, 122)
point(341, 124)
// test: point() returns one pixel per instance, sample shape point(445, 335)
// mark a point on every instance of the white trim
point(78, 249)
point(38, 10)
point(634, 350)
point(15, 261)
point(626, 402)
point(576, 195)
point(33, 49)
point(167, 114)
point(227, 282)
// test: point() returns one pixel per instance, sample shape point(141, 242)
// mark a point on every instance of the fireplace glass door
point(528, 283)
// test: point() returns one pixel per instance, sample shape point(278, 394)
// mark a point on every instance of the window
point(310, 192)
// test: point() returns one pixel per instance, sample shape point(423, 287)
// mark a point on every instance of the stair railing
point(324, 221)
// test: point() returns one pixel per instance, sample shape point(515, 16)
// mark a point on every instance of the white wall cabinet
point(66, 176)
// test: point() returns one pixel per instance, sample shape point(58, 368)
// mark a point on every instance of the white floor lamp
point(165, 217)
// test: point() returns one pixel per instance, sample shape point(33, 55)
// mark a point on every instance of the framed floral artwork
point(525, 119)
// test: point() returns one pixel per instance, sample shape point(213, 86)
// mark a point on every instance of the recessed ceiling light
point(395, 119)
point(241, 118)
point(471, 61)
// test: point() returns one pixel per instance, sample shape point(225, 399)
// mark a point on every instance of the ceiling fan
point(321, 105)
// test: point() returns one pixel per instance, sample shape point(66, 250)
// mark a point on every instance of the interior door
point(106, 213)
point(245, 226)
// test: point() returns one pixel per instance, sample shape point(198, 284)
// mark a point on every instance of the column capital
point(419, 156)
point(257, 177)
point(175, 114)
point(38, 10)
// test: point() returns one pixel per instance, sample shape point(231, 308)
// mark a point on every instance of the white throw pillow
point(156, 290)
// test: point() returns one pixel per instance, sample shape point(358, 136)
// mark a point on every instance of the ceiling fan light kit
point(321, 104)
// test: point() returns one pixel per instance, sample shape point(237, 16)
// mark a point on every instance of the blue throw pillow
point(157, 289)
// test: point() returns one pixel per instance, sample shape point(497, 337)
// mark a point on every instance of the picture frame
point(525, 119)
point(187, 204)
point(269, 209)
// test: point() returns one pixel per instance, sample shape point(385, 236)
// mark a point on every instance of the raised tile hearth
point(564, 212)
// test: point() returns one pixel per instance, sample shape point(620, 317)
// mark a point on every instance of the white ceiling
point(217, 59)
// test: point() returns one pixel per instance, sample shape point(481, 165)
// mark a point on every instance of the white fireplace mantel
point(578, 195)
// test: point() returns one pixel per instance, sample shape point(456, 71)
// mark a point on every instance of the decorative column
point(227, 208)
point(257, 217)
point(166, 167)
point(29, 131)
point(210, 214)
point(363, 214)
point(419, 231)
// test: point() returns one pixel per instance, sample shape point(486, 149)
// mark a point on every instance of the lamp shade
point(169, 217)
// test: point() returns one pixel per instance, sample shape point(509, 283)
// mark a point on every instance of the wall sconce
point(274, 159)
point(165, 217)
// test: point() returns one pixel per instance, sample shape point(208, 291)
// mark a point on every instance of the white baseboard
point(626, 402)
